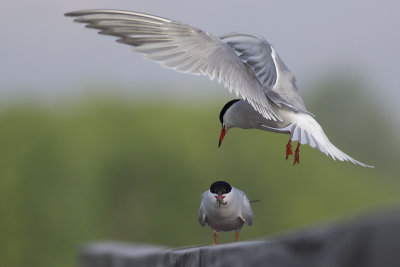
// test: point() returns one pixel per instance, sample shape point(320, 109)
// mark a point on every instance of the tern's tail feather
point(306, 130)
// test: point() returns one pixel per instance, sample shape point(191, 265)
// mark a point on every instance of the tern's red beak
point(221, 137)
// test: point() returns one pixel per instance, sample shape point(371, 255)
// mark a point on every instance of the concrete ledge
point(372, 241)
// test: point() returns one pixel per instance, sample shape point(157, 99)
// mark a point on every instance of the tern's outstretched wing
point(278, 82)
point(183, 48)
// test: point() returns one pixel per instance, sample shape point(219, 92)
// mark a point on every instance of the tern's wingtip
point(70, 14)
point(77, 13)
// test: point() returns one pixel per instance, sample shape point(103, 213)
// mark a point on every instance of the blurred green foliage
point(106, 168)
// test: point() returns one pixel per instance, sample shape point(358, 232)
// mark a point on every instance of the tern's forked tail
point(307, 130)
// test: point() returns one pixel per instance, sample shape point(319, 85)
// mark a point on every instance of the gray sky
point(44, 53)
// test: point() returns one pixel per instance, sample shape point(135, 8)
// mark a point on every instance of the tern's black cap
point(226, 107)
point(220, 187)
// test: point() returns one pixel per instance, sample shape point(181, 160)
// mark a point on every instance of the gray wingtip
point(89, 11)
point(73, 13)
point(249, 221)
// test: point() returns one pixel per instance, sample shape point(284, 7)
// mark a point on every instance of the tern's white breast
point(224, 217)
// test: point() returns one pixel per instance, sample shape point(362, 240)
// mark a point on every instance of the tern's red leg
point(215, 238)
point(237, 236)
point(296, 155)
point(289, 149)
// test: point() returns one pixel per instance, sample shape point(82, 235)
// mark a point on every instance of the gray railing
point(372, 241)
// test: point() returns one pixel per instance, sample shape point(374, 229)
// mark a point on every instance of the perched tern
point(244, 63)
point(225, 208)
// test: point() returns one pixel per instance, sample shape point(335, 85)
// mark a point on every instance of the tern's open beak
point(221, 137)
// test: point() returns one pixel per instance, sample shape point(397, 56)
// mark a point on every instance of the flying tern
point(244, 63)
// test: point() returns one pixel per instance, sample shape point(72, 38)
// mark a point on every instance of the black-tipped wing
point(183, 48)
point(278, 82)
